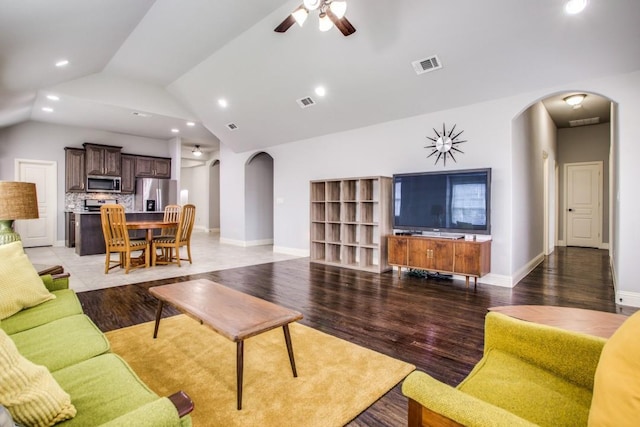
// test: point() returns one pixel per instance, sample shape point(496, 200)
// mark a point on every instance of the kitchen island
point(89, 239)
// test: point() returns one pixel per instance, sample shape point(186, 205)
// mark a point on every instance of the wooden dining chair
point(171, 214)
point(116, 239)
point(174, 243)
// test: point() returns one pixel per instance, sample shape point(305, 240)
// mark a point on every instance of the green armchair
point(530, 374)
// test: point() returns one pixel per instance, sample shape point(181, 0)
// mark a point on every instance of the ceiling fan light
point(575, 99)
point(300, 15)
point(312, 4)
point(338, 7)
point(324, 24)
point(196, 151)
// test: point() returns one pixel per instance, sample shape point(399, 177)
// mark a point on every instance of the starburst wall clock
point(444, 144)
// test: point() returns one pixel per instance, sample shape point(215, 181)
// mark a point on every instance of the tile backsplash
point(75, 201)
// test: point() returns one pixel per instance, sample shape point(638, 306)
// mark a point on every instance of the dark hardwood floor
point(435, 324)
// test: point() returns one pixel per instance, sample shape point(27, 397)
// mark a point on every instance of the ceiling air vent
point(232, 126)
point(584, 122)
point(425, 65)
point(139, 114)
point(305, 102)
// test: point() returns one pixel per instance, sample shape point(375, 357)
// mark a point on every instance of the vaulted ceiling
point(170, 61)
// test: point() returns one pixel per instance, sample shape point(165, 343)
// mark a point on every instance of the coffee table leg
point(158, 315)
point(239, 370)
point(287, 338)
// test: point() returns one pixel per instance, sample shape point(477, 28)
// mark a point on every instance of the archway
point(214, 196)
point(548, 135)
point(259, 200)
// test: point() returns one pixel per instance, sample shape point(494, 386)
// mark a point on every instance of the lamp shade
point(18, 200)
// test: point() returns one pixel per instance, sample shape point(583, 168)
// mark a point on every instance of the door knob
point(570, 210)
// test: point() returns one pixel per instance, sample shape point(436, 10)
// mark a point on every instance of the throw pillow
point(20, 285)
point(29, 391)
point(616, 388)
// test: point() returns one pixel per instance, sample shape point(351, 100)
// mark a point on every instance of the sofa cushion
point(29, 391)
point(616, 390)
point(62, 342)
point(20, 285)
point(65, 304)
point(528, 391)
point(103, 388)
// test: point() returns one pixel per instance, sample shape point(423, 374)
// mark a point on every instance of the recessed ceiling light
point(223, 103)
point(53, 97)
point(62, 63)
point(47, 109)
point(321, 91)
point(175, 130)
point(191, 124)
point(573, 7)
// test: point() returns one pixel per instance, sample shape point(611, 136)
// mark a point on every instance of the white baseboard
point(59, 243)
point(526, 269)
point(246, 243)
point(291, 251)
point(497, 280)
point(602, 245)
point(234, 242)
point(631, 299)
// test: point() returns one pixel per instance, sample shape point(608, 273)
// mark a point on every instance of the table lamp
point(18, 200)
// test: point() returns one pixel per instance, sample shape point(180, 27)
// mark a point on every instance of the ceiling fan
point(331, 14)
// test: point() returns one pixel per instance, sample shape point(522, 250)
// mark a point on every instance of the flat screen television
point(448, 202)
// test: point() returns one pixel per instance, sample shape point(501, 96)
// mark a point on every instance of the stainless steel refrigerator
point(153, 194)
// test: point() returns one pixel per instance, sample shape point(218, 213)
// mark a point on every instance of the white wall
point(214, 196)
point(398, 146)
point(46, 141)
point(259, 200)
point(383, 149)
point(196, 181)
point(534, 134)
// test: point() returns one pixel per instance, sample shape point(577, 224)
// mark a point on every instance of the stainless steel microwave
point(103, 184)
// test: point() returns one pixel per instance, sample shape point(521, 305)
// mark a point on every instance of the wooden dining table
point(150, 226)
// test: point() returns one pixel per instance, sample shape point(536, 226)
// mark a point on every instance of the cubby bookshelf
point(349, 221)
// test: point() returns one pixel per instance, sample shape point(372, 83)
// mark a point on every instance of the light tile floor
point(208, 254)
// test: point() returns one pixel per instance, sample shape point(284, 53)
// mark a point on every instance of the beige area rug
point(336, 380)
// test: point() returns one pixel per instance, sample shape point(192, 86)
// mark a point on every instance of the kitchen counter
point(89, 239)
point(81, 212)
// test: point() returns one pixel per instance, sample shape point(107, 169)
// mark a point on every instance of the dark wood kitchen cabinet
point(74, 169)
point(153, 167)
point(128, 184)
point(102, 159)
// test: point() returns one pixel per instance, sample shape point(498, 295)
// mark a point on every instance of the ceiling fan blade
point(285, 25)
point(342, 24)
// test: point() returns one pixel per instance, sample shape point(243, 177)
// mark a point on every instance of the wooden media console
point(469, 258)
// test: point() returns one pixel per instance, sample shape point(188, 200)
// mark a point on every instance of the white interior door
point(41, 231)
point(584, 204)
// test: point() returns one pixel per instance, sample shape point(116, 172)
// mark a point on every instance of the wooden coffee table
point(592, 322)
point(232, 314)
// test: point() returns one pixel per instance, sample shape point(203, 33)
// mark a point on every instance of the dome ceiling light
point(575, 100)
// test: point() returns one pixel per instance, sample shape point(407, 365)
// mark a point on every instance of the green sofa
point(530, 374)
point(103, 388)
